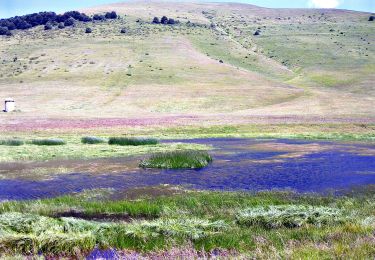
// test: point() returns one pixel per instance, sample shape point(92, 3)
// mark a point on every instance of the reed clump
point(178, 160)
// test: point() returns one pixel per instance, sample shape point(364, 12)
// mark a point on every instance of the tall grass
point(50, 142)
point(178, 160)
point(289, 216)
point(132, 141)
point(93, 140)
point(192, 228)
point(29, 234)
point(258, 224)
point(12, 142)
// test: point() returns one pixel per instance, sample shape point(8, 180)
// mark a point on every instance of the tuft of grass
point(49, 142)
point(178, 160)
point(28, 233)
point(12, 142)
point(93, 140)
point(289, 216)
point(191, 228)
point(132, 141)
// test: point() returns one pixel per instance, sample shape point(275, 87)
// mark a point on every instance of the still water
point(239, 164)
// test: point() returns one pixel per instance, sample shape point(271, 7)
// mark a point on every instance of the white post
point(9, 105)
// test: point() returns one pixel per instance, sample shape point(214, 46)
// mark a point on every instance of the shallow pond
point(239, 164)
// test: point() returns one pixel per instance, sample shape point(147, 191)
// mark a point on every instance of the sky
point(9, 8)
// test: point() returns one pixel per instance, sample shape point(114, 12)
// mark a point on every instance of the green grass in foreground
point(178, 160)
point(265, 224)
point(132, 141)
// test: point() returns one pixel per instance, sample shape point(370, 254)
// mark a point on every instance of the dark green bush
point(48, 26)
point(93, 140)
point(12, 142)
point(178, 160)
point(98, 17)
point(70, 22)
point(164, 20)
point(4, 31)
point(171, 21)
point(48, 142)
point(132, 141)
point(111, 15)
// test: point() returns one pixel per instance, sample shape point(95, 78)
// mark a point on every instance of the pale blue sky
point(10, 8)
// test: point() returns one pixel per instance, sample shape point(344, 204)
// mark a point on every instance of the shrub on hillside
point(371, 18)
point(61, 18)
point(98, 17)
point(21, 24)
point(123, 30)
point(48, 26)
point(42, 18)
point(78, 16)
point(69, 22)
point(88, 30)
point(48, 17)
point(8, 24)
point(84, 18)
point(111, 15)
point(61, 26)
point(164, 20)
point(4, 31)
point(34, 19)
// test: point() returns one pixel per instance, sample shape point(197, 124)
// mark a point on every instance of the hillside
point(307, 65)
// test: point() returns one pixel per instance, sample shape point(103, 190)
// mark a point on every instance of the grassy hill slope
point(306, 65)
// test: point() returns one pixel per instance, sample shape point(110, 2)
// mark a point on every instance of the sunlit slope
point(108, 74)
point(321, 42)
point(304, 63)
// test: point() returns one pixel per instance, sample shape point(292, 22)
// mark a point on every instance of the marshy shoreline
point(147, 219)
point(167, 219)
